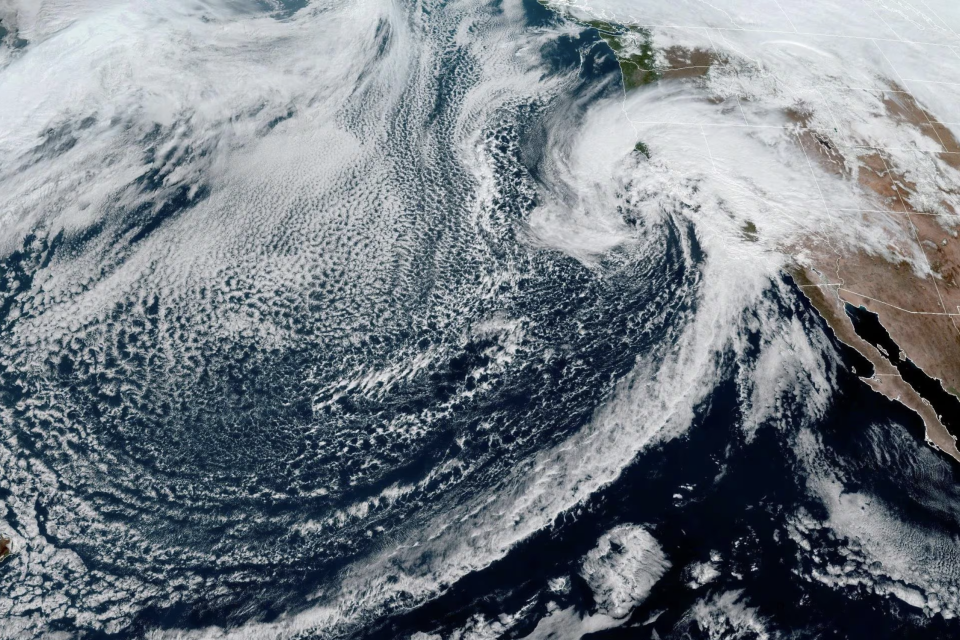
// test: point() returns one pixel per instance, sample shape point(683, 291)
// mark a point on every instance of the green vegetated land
point(633, 49)
point(631, 45)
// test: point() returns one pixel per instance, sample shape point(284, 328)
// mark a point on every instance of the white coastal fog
point(322, 319)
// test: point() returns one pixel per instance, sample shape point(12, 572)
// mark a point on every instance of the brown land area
point(920, 310)
point(914, 307)
point(885, 380)
point(687, 63)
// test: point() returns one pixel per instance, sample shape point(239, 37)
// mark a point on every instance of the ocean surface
point(329, 320)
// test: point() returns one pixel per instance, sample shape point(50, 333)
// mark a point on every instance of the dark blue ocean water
point(218, 448)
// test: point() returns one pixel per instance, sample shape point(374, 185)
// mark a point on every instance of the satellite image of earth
point(475, 319)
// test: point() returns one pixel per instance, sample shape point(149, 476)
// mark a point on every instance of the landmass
point(918, 310)
point(918, 307)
